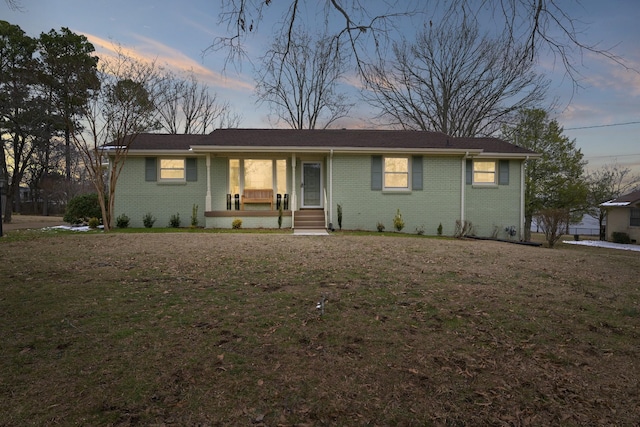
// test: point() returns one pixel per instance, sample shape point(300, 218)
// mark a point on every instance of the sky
point(602, 114)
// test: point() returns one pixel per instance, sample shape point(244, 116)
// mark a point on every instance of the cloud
point(151, 50)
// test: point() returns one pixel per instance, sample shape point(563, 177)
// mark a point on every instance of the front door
point(311, 184)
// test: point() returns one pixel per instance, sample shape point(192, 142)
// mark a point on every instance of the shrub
point(340, 216)
point(194, 215)
point(174, 221)
point(420, 230)
point(440, 230)
point(398, 222)
point(94, 222)
point(463, 228)
point(82, 208)
point(380, 227)
point(280, 216)
point(236, 224)
point(620, 237)
point(122, 221)
point(148, 220)
point(553, 222)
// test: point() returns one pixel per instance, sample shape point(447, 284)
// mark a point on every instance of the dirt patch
point(223, 329)
point(23, 222)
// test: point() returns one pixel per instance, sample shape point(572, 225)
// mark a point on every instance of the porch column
point(330, 207)
point(207, 199)
point(293, 200)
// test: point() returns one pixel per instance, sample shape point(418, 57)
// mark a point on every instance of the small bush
point(398, 222)
point(236, 224)
point(380, 227)
point(174, 221)
point(148, 220)
point(122, 221)
point(420, 230)
point(440, 230)
point(463, 228)
point(340, 216)
point(194, 216)
point(94, 223)
point(280, 216)
point(82, 208)
point(620, 237)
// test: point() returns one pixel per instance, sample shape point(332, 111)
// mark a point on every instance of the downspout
point(522, 193)
point(207, 199)
point(331, 186)
point(463, 184)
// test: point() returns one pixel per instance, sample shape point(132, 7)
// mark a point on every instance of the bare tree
point(607, 183)
point(123, 107)
point(539, 25)
point(302, 85)
point(454, 80)
point(191, 107)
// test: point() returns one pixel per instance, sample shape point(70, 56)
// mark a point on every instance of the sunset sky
point(603, 115)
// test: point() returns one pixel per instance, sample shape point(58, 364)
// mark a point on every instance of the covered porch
point(268, 190)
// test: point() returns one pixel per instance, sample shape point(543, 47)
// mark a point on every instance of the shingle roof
point(624, 200)
point(326, 138)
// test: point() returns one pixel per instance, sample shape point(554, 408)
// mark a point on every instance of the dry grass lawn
point(222, 329)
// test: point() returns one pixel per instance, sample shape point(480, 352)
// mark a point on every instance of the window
point(396, 173)
point(172, 169)
point(257, 174)
point(634, 217)
point(484, 172)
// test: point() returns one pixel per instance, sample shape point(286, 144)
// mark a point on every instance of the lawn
point(222, 329)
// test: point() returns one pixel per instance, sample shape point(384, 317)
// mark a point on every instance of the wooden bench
point(257, 196)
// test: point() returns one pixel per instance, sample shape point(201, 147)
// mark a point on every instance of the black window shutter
point(192, 169)
point(376, 172)
point(416, 173)
point(150, 169)
point(503, 167)
point(469, 171)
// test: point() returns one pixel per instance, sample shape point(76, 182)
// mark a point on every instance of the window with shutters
point(396, 173)
point(484, 172)
point(172, 170)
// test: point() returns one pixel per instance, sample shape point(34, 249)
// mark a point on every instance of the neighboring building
point(430, 177)
point(623, 216)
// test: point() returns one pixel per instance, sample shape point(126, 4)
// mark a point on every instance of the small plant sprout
point(380, 227)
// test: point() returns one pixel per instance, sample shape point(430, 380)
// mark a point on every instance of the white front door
point(311, 184)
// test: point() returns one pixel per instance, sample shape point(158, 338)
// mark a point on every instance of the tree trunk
point(8, 207)
point(527, 228)
point(67, 153)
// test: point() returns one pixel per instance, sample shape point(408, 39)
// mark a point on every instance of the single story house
point(623, 215)
point(326, 178)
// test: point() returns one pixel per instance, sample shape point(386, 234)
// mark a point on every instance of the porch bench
point(257, 196)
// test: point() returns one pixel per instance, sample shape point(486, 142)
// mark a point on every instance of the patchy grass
point(222, 329)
